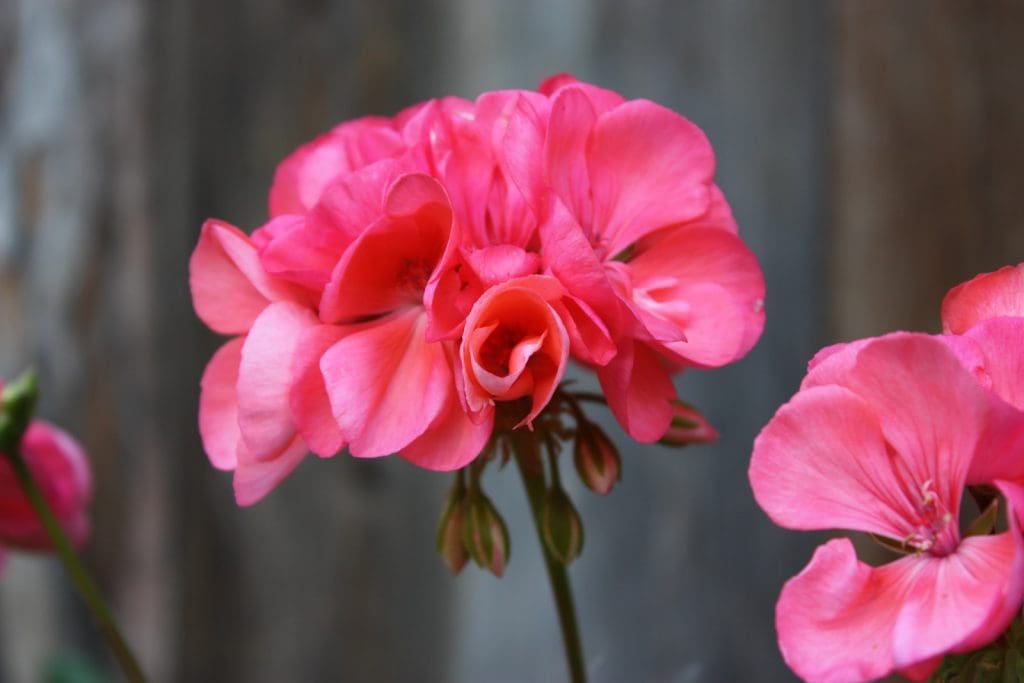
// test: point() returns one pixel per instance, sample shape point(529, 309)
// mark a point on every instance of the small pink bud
point(484, 534)
point(688, 426)
point(449, 531)
point(562, 528)
point(597, 459)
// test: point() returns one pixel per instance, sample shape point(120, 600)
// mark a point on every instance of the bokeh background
point(873, 153)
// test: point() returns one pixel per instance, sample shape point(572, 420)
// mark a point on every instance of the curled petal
point(639, 391)
point(228, 282)
point(452, 441)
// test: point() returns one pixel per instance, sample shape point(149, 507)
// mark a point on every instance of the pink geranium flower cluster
point(61, 470)
point(885, 436)
point(418, 271)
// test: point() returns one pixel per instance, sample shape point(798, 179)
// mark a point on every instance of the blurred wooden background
point(873, 153)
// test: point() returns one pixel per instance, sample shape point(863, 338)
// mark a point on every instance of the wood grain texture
point(872, 155)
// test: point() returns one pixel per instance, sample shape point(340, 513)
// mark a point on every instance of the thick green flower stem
point(533, 481)
point(79, 576)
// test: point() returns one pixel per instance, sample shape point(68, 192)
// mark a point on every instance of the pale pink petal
point(961, 601)
point(310, 405)
point(452, 441)
point(835, 619)
point(218, 405)
point(639, 391)
point(301, 178)
point(229, 285)
point(265, 378)
point(254, 479)
point(706, 281)
point(822, 463)
point(386, 383)
point(930, 408)
point(989, 295)
point(649, 168)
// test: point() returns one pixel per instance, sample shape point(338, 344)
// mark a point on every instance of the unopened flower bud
point(688, 426)
point(597, 459)
point(562, 527)
point(484, 533)
point(17, 403)
point(449, 531)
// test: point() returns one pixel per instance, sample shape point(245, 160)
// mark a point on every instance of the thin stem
point(79, 575)
point(533, 481)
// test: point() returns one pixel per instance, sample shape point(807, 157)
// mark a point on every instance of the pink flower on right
point(884, 436)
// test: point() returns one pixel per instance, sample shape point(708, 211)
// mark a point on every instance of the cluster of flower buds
point(471, 526)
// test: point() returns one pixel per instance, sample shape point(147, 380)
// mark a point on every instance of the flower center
point(495, 352)
point(413, 275)
point(934, 532)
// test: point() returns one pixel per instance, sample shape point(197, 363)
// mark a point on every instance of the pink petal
point(386, 383)
point(229, 285)
point(452, 441)
point(303, 176)
point(568, 255)
point(522, 155)
point(571, 120)
point(310, 404)
point(835, 619)
point(822, 463)
point(649, 168)
point(590, 340)
point(931, 410)
point(1001, 341)
point(639, 391)
point(961, 601)
point(388, 266)
point(989, 295)
point(356, 200)
point(706, 281)
point(218, 405)
point(254, 479)
point(501, 262)
point(302, 251)
point(551, 84)
point(265, 378)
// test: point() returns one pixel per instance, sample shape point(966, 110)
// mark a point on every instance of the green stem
point(533, 481)
point(79, 576)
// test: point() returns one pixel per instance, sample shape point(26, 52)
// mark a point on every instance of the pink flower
point(61, 470)
point(514, 345)
point(632, 224)
point(881, 438)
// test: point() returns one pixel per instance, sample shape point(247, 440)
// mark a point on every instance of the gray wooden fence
point(872, 152)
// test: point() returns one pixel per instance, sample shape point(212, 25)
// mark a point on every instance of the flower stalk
point(17, 408)
point(532, 472)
